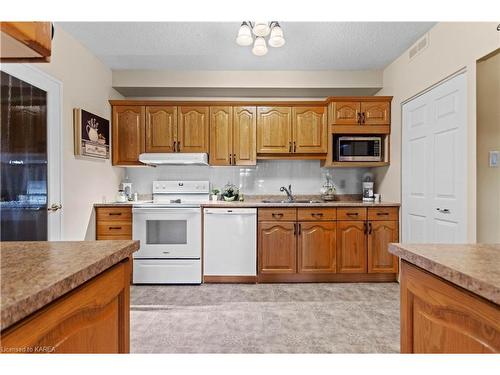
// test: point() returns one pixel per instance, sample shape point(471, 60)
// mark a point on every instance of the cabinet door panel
point(439, 317)
point(128, 134)
point(244, 135)
point(309, 130)
point(345, 113)
point(277, 247)
point(193, 129)
point(161, 128)
point(380, 234)
point(316, 247)
point(351, 247)
point(221, 135)
point(376, 113)
point(274, 130)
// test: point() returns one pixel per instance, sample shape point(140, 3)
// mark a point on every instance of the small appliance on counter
point(368, 195)
point(126, 186)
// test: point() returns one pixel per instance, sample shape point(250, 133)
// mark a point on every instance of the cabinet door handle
point(234, 159)
point(363, 117)
point(369, 228)
point(294, 147)
point(300, 228)
point(317, 214)
point(230, 160)
point(179, 146)
point(115, 227)
point(359, 117)
point(277, 215)
point(290, 147)
point(294, 229)
point(352, 214)
point(175, 145)
point(365, 228)
point(382, 213)
point(115, 214)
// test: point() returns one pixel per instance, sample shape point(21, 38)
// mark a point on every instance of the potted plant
point(230, 192)
point(215, 194)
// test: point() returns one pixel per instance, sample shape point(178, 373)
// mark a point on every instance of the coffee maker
point(368, 183)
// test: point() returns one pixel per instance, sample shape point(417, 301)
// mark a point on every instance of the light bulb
point(261, 28)
point(276, 39)
point(244, 37)
point(259, 47)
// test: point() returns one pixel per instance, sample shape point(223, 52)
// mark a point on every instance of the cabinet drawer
point(383, 213)
point(114, 214)
point(316, 213)
point(277, 214)
point(351, 213)
point(114, 229)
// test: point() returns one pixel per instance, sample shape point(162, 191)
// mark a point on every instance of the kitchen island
point(450, 298)
point(65, 297)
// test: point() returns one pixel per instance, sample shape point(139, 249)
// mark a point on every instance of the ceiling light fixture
point(260, 30)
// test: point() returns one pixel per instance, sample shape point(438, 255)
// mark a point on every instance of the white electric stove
point(169, 230)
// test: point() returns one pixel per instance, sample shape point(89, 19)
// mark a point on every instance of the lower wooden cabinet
point(316, 247)
point(440, 317)
point(94, 318)
point(380, 235)
point(114, 223)
point(351, 246)
point(277, 247)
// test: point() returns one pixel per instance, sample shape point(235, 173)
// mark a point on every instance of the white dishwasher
point(230, 242)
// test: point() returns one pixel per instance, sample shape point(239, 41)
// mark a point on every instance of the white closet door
point(434, 165)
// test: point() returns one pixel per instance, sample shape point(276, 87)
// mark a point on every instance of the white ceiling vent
point(419, 46)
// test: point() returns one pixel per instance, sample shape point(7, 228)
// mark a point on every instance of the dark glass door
point(23, 205)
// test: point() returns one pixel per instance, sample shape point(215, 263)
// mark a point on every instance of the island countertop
point(474, 267)
point(33, 274)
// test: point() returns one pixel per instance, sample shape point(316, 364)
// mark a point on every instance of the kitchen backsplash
point(305, 176)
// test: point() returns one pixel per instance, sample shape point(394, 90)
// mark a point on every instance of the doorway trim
point(54, 89)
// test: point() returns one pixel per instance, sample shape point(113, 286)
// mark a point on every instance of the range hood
point(174, 158)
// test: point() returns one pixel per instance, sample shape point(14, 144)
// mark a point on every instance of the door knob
point(54, 207)
point(443, 210)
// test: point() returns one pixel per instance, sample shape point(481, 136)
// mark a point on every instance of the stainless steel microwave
point(359, 148)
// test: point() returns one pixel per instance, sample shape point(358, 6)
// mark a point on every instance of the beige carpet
point(265, 318)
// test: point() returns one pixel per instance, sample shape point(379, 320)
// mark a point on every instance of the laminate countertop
point(474, 267)
point(256, 201)
point(33, 274)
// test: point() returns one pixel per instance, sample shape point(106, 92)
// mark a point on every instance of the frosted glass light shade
point(261, 28)
point(244, 37)
point(259, 47)
point(276, 39)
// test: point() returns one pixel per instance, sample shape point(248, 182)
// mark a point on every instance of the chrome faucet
point(288, 192)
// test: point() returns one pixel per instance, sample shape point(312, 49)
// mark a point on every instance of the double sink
point(291, 201)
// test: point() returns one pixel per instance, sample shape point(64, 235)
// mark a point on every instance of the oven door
point(169, 233)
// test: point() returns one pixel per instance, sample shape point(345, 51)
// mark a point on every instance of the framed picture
point(91, 134)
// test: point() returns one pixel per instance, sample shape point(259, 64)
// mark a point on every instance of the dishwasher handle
point(229, 211)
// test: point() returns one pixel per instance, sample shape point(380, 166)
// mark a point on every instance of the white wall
point(452, 47)
point(305, 176)
point(86, 84)
point(488, 139)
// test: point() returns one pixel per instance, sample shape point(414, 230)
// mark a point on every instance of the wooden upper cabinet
point(345, 113)
point(274, 130)
point(128, 134)
point(277, 247)
point(25, 41)
point(309, 130)
point(161, 128)
point(192, 129)
point(316, 247)
point(221, 135)
point(351, 247)
point(244, 135)
point(376, 113)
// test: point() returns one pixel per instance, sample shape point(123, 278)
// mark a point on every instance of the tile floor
point(265, 318)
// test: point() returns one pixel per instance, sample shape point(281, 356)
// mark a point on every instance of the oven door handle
point(166, 210)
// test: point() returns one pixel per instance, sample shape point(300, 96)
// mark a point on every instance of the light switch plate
point(493, 159)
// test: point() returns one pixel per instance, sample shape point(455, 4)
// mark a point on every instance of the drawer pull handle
point(352, 214)
point(317, 214)
point(382, 213)
point(277, 215)
point(115, 227)
point(115, 214)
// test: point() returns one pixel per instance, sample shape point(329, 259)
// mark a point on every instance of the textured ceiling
point(212, 46)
